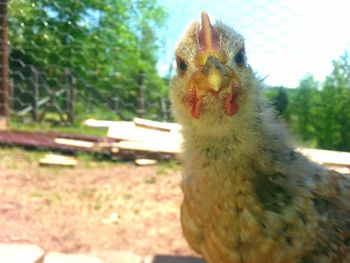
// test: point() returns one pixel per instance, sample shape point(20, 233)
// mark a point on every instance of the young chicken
point(249, 197)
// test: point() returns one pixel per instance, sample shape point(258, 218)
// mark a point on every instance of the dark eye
point(181, 65)
point(240, 57)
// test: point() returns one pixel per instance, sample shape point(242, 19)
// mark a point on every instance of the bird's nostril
point(212, 63)
point(205, 69)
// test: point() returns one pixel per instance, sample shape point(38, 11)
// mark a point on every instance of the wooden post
point(4, 64)
point(141, 99)
point(70, 96)
point(36, 97)
point(163, 107)
point(116, 101)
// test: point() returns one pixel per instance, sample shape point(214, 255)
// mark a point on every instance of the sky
point(285, 40)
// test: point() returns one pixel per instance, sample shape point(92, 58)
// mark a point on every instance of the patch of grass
point(16, 158)
point(94, 160)
point(150, 180)
point(98, 204)
point(49, 198)
point(87, 193)
point(19, 125)
point(164, 167)
point(136, 211)
point(128, 196)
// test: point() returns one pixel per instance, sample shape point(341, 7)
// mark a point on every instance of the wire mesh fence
point(65, 61)
point(78, 59)
point(68, 60)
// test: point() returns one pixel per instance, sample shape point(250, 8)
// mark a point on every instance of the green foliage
point(304, 109)
point(106, 45)
point(335, 114)
point(320, 112)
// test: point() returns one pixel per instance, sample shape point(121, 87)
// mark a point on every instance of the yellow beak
point(212, 76)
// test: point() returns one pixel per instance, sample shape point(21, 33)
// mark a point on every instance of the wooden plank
point(148, 147)
point(128, 131)
point(339, 169)
point(75, 143)
point(57, 160)
point(3, 123)
point(163, 126)
point(99, 123)
point(46, 140)
point(145, 162)
point(327, 157)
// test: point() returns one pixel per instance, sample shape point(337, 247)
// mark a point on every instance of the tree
point(305, 109)
point(335, 113)
point(105, 44)
point(321, 116)
point(281, 101)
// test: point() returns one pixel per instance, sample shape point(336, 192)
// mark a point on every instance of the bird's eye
point(240, 57)
point(181, 65)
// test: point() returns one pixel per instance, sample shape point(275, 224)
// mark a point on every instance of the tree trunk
point(4, 62)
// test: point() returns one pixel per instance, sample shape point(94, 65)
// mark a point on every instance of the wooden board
point(339, 169)
point(57, 160)
point(144, 162)
point(72, 142)
point(3, 124)
point(128, 131)
point(147, 147)
point(98, 123)
point(163, 126)
point(327, 157)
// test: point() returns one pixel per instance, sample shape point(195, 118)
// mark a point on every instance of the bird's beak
point(213, 75)
point(218, 75)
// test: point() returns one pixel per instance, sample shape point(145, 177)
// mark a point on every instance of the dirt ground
point(94, 206)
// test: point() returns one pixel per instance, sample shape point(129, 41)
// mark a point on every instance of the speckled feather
point(248, 196)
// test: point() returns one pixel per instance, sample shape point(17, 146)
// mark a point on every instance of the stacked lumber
point(334, 160)
point(142, 138)
point(57, 160)
point(69, 143)
point(153, 140)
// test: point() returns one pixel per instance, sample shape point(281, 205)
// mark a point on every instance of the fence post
point(163, 107)
point(70, 96)
point(141, 99)
point(4, 64)
point(115, 104)
point(36, 96)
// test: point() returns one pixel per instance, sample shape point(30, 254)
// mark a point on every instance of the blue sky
point(284, 39)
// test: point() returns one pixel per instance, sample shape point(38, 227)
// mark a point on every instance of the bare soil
point(94, 206)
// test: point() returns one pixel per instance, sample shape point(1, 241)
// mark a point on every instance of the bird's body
point(249, 197)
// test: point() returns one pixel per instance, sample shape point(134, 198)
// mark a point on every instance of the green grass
point(18, 158)
point(49, 197)
point(164, 166)
point(52, 127)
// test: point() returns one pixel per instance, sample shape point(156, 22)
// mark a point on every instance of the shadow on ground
point(176, 259)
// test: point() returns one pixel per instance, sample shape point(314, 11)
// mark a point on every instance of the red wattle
point(196, 105)
point(196, 109)
point(231, 105)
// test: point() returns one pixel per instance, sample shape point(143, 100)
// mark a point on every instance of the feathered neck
point(240, 142)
